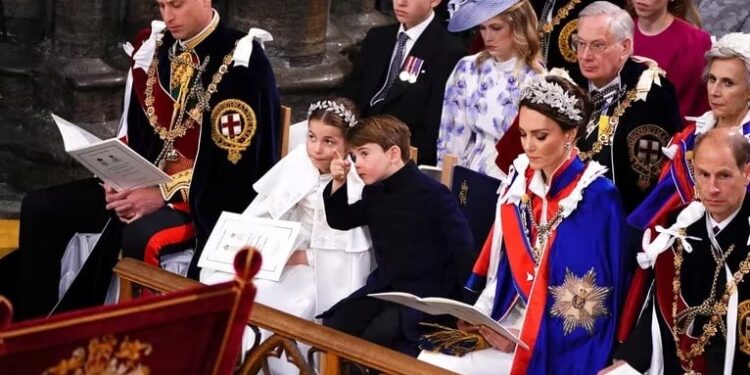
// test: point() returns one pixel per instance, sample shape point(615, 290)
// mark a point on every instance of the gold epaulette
point(180, 183)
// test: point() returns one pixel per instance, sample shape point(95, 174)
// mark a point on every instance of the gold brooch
point(579, 301)
point(233, 128)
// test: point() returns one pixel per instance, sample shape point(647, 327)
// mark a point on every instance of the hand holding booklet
point(274, 239)
point(441, 306)
point(111, 160)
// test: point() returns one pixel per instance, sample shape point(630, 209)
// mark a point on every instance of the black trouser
point(368, 318)
point(50, 217)
point(144, 234)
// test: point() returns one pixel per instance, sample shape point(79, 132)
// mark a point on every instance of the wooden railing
point(8, 236)
point(335, 348)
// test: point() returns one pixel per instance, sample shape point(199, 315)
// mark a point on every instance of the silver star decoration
point(579, 301)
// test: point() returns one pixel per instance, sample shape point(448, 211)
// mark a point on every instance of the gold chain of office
point(562, 13)
point(716, 311)
point(543, 231)
point(606, 138)
point(179, 129)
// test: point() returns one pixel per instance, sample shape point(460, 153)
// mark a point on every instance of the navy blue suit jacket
point(421, 239)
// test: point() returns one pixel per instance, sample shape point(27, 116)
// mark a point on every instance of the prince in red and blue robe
point(676, 188)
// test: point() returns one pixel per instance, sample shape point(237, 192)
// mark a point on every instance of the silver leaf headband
point(338, 109)
point(541, 91)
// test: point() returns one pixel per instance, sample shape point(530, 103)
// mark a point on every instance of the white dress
point(339, 261)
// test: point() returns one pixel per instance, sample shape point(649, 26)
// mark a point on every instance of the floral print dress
point(479, 106)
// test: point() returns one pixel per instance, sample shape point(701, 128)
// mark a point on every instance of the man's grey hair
point(621, 24)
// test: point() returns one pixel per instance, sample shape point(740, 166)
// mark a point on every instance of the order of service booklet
point(110, 160)
point(442, 306)
point(274, 239)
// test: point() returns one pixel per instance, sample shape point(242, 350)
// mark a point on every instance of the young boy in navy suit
point(421, 239)
point(408, 82)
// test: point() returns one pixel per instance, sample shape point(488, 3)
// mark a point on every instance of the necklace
point(543, 231)
point(713, 307)
point(179, 126)
point(605, 139)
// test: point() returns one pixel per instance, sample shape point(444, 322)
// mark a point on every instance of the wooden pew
point(8, 236)
point(286, 123)
point(335, 347)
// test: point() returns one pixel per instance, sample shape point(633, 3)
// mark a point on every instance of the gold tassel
point(454, 341)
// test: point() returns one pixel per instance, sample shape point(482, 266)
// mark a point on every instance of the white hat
point(466, 14)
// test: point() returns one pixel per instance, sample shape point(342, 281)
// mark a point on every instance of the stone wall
point(64, 56)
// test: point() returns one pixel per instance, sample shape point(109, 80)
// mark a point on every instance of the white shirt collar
point(613, 82)
point(415, 32)
point(722, 224)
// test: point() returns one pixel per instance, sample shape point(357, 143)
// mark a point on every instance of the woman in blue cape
point(552, 267)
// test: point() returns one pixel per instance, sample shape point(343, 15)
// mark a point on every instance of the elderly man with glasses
point(636, 110)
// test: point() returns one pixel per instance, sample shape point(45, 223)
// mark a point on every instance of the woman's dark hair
point(583, 104)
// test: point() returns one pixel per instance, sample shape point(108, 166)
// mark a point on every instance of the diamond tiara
point(541, 91)
point(338, 109)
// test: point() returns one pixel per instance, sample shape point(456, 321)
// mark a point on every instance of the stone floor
point(10, 202)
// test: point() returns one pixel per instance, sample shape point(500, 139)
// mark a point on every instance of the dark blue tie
point(398, 57)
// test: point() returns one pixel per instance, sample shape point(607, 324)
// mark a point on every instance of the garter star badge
point(233, 127)
point(644, 148)
point(579, 301)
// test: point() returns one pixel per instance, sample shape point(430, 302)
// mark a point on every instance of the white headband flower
point(541, 91)
point(338, 109)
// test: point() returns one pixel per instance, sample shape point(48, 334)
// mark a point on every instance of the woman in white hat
point(481, 95)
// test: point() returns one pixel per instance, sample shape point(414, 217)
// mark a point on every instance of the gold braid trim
point(605, 139)
point(562, 13)
point(715, 307)
point(197, 39)
point(180, 182)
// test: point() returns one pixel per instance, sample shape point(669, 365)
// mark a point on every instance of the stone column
point(88, 88)
point(60, 68)
point(355, 17)
point(138, 15)
point(305, 67)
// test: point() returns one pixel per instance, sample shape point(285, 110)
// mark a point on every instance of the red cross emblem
point(231, 124)
point(648, 150)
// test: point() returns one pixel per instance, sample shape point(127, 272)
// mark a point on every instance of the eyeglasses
point(595, 47)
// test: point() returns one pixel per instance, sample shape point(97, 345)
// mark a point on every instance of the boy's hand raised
point(339, 171)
